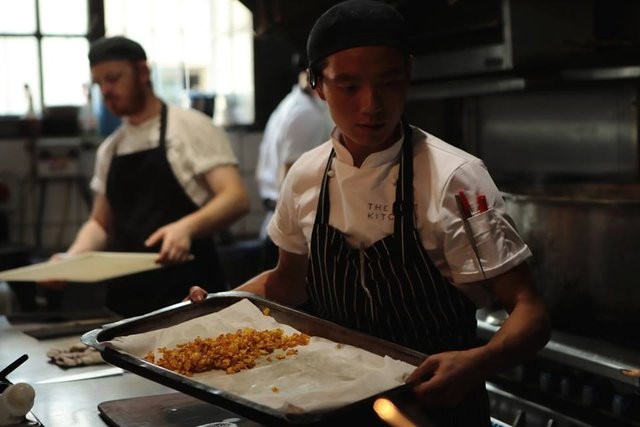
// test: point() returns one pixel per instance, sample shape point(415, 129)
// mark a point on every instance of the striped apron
point(392, 289)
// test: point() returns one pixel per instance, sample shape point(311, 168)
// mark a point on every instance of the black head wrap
point(116, 48)
point(354, 23)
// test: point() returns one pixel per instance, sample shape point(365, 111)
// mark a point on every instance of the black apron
point(145, 195)
point(393, 290)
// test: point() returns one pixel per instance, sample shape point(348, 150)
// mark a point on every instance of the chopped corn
point(231, 352)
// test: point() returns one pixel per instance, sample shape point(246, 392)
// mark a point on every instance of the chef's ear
point(143, 72)
point(315, 81)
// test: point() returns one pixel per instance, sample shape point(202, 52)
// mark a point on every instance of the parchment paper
point(323, 374)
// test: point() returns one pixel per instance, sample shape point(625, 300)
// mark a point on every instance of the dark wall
point(273, 74)
point(281, 29)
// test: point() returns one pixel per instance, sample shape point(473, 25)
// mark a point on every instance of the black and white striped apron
point(392, 289)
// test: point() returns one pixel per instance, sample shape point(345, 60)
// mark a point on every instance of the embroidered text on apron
point(145, 195)
point(392, 289)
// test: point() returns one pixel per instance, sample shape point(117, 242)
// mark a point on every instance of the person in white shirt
point(165, 181)
point(370, 233)
point(299, 123)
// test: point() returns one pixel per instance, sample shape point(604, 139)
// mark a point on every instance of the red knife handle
point(466, 207)
point(482, 203)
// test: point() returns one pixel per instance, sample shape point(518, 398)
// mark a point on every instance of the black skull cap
point(117, 48)
point(355, 23)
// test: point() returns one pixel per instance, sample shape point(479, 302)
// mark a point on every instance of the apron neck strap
point(163, 123)
point(403, 206)
point(322, 213)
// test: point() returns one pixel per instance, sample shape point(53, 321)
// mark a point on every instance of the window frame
point(95, 30)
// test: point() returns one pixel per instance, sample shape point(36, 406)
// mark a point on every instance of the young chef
point(370, 222)
point(164, 182)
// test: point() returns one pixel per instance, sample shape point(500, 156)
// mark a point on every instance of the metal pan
point(301, 321)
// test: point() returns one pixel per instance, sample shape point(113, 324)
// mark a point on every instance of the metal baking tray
point(299, 320)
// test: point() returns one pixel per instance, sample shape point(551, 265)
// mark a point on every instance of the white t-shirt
point(299, 123)
point(362, 205)
point(193, 145)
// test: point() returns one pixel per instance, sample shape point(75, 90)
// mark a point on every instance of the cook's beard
point(134, 105)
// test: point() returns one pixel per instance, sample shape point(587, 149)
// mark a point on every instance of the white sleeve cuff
point(499, 246)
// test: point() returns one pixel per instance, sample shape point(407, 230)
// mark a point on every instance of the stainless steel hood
point(476, 37)
point(470, 47)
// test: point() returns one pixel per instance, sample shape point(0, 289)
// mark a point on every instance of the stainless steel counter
point(71, 403)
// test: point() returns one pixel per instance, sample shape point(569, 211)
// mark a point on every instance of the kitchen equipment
point(301, 321)
point(467, 38)
point(29, 419)
point(168, 410)
point(85, 267)
point(61, 120)
point(88, 375)
point(585, 240)
point(13, 365)
point(573, 381)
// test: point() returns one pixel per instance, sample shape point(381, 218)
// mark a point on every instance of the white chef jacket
point(362, 205)
point(194, 147)
point(299, 123)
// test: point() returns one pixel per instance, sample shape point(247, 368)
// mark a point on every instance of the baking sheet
point(85, 267)
point(323, 375)
point(311, 325)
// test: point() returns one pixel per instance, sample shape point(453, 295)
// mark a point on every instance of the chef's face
point(365, 89)
point(124, 85)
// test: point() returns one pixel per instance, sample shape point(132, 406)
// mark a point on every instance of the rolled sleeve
point(194, 148)
point(209, 148)
point(500, 247)
point(285, 226)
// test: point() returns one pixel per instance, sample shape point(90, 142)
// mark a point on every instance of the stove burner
point(579, 377)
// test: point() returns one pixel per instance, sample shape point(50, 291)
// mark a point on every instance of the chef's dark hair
point(115, 49)
point(354, 23)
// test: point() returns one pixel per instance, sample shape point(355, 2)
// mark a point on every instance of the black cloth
point(393, 290)
point(269, 205)
point(115, 49)
point(356, 23)
point(145, 195)
point(269, 252)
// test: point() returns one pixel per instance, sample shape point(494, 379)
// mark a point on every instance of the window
point(43, 52)
point(193, 46)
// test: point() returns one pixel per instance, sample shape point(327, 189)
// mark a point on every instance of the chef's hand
point(176, 243)
point(57, 285)
point(196, 294)
point(449, 378)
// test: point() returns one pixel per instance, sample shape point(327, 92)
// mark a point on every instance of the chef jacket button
point(330, 174)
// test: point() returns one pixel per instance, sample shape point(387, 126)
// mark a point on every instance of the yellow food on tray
point(231, 352)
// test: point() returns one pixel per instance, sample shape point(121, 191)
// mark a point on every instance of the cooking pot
point(585, 240)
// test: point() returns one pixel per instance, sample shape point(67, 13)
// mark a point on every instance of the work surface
point(73, 403)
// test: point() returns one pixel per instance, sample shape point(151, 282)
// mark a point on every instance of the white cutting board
point(85, 267)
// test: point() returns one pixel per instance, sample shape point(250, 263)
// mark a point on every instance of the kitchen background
point(544, 91)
